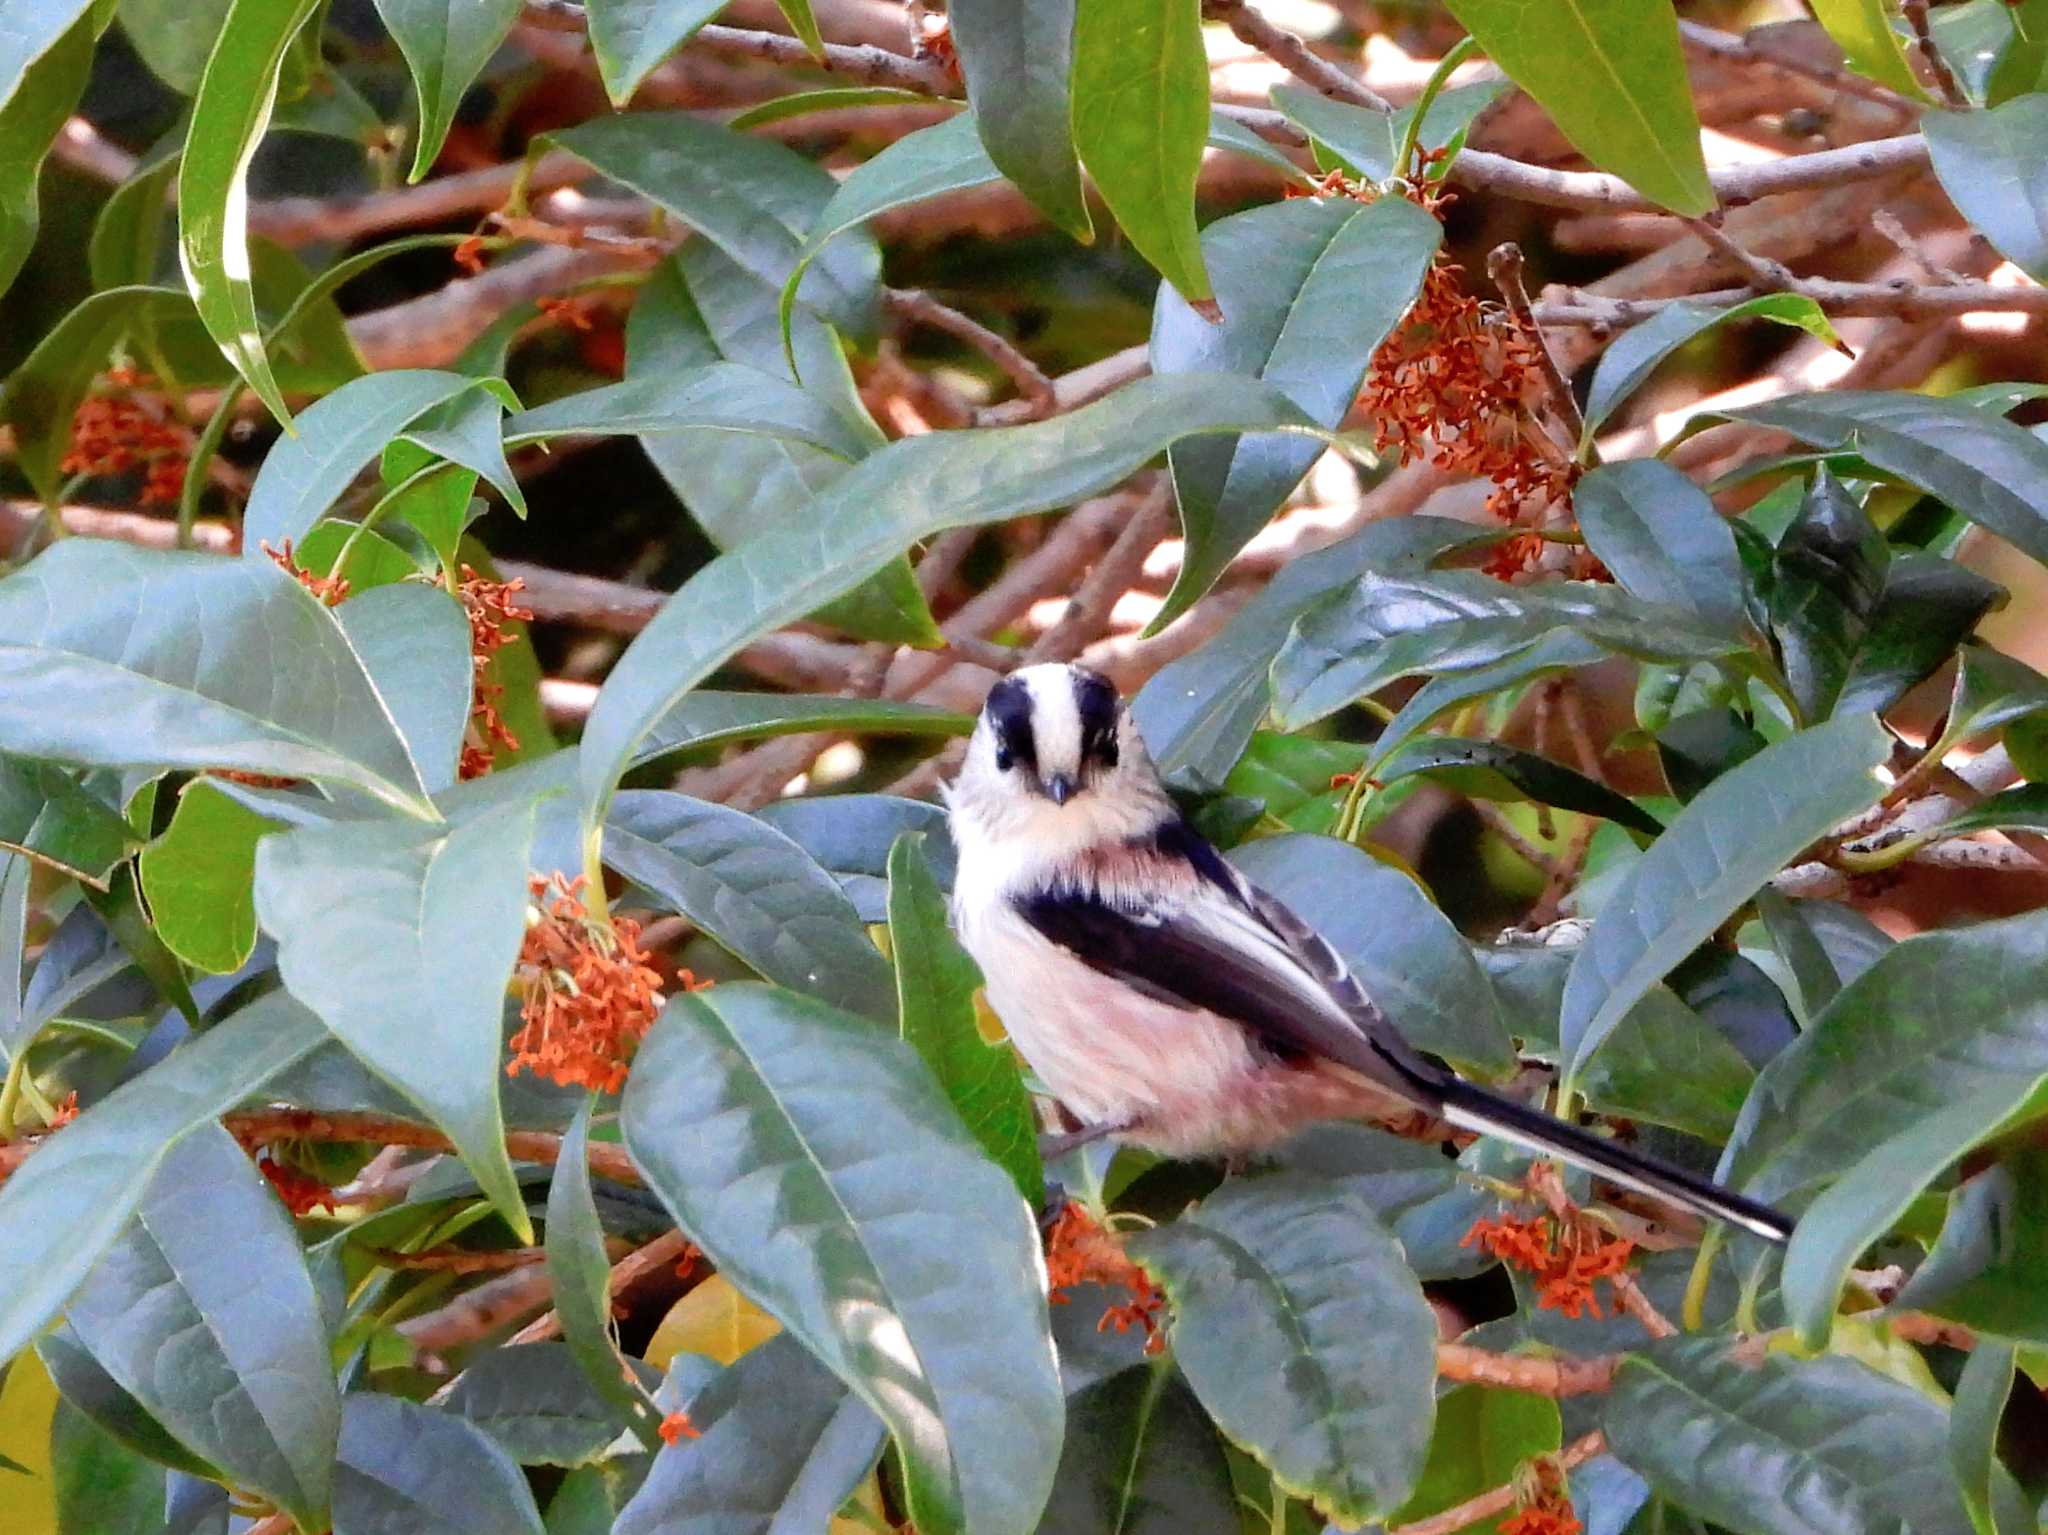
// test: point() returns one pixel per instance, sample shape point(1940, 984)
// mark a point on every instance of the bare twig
point(662, 1252)
point(1035, 391)
point(1254, 30)
point(1937, 66)
point(457, 1260)
point(1500, 1499)
point(1504, 266)
point(1764, 274)
point(1750, 48)
point(1544, 1374)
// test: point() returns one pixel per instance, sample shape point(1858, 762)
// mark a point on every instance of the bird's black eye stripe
point(1095, 702)
point(1009, 716)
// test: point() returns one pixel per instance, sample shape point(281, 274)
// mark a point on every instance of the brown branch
point(457, 1260)
point(1900, 299)
point(1293, 55)
point(662, 1252)
point(1544, 1374)
point(1752, 49)
point(1764, 274)
point(1937, 66)
point(606, 1160)
point(475, 1312)
point(1500, 1499)
point(1504, 266)
point(431, 330)
point(1035, 391)
point(306, 220)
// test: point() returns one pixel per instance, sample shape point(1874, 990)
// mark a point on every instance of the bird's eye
point(1004, 761)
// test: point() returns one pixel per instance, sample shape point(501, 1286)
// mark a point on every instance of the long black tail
point(1473, 1108)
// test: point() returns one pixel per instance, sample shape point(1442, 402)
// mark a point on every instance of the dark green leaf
point(1140, 118)
point(1990, 165)
point(446, 44)
point(752, 889)
point(1775, 1445)
point(1482, 1438)
point(81, 956)
point(412, 1470)
point(1611, 75)
point(166, 1313)
point(1301, 1328)
point(414, 641)
point(1141, 1459)
point(754, 199)
point(757, 1114)
point(724, 397)
point(909, 490)
point(1559, 651)
point(1664, 541)
point(780, 1444)
point(198, 878)
point(1973, 1441)
point(15, 872)
point(1491, 770)
point(2024, 808)
point(1697, 748)
point(1863, 30)
point(1638, 351)
point(1665, 1065)
point(40, 93)
point(850, 836)
point(1827, 577)
point(538, 1403)
point(1290, 776)
point(90, 1389)
point(1417, 1192)
point(1984, 1270)
point(229, 114)
point(1309, 289)
point(56, 818)
point(1016, 60)
point(1929, 606)
point(443, 910)
point(95, 634)
point(102, 1486)
point(706, 718)
point(127, 237)
point(1366, 141)
point(174, 37)
point(1814, 977)
point(631, 37)
point(936, 981)
point(1713, 857)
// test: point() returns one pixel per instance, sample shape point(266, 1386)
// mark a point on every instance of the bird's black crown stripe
point(1095, 702)
point(1009, 715)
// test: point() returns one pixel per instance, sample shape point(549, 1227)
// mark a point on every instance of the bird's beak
point(1060, 788)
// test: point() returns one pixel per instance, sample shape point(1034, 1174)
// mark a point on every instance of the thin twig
point(1498, 823)
point(1556, 1375)
point(457, 1260)
point(1764, 274)
point(1504, 266)
point(1502, 1498)
point(1253, 29)
point(1937, 66)
point(662, 1252)
point(1034, 389)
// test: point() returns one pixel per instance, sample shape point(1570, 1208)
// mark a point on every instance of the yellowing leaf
point(714, 1320)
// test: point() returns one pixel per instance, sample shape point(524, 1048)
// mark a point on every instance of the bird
point(1167, 1001)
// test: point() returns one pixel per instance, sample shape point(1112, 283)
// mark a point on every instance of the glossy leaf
point(56, 818)
point(757, 1115)
point(443, 909)
point(1491, 770)
point(1783, 1446)
point(446, 44)
point(1366, 141)
point(1294, 778)
point(754, 199)
point(97, 1395)
point(197, 878)
point(536, 1401)
point(1300, 1327)
point(1417, 1192)
point(1405, 952)
point(1973, 1439)
point(1483, 1436)
point(229, 114)
point(780, 1445)
point(95, 636)
point(850, 836)
point(936, 981)
point(1989, 163)
point(752, 889)
point(911, 489)
point(100, 1483)
point(722, 397)
point(1929, 606)
point(1826, 580)
point(1562, 650)
point(708, 718)
point(1982, 1270)
point(412, 1470)
point(1141, 117)
point(414, 641)
point(30, 29)
point(1016, 60)
point(167, 1313)
point(1141, 1459)
point(1663, 540)
point(1742, 829)
point(630, 38)
point(1864, 32)
point(1611, 75)
point(43, 74)
point(1309, 289)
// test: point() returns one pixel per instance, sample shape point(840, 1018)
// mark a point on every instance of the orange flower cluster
point(329, 589)
point(1078, 1251)
point(65, 1111)
point(116, 431)
point(1546, 1502)
point(934, 40)
point(569, 313)
point(469, 255)
point(1565, 1263)
point(677, 1426)
point(301, 1192)
point(490, 608)
point(590, 995)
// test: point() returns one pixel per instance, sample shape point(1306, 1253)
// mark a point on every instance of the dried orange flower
point(469, 255)
point(1514, 554)
point(677, 1426)
point(935, 41)
point(490, 608)
point(1565, 1263)
point(121, 430)
point(329, 589)
point(65, 1112)
point(1545, 1500)
point(1078, 1251)
point(301, 1192)
point(590, 994)
point(566, 312)
point(258, 780)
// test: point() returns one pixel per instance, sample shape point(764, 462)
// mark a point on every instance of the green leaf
point(1777, 1445)
point(1291, 777)
point(15, 873)
point(1663, 540)
point(1639, 351)
point(337, 438)
point(469, 430)
point(197, 878)
point(1141, 1459)
point(1740, 831)
point(1934, 1021)
point(1559, 651)
point(127, 237)
point(174, 37)
point(936, 981)
point(1826, 579)
point(723, 397)
point(1385, 627)
point(1864, 1203)
point(1994, 473)
point(98, 635)
point(780, 1446)
point(1984, 1269)
point(832, 99)
point(100, 1484)
point(758, 1115)
point(1666, 1065)
point(443, 911)
point(803, 24)
point(38, 100)
point(96, 1394)
point(229, 114)
point(1491, 770)
point(1798, 943)
point(850, 836)
point(1404, 951)
point(581, 1276)
point(631, 37)
point(1973, 1439)
point(29, 30)
point(1928, 608)
point(1366, 141)
point(1482, 1438)
point(536, 1401)
point(57, 819)
point(1309, 289)
point(752, 198)
point(166, 1313)
point(1141, 118)
point(1197, 714)
point(446, 44)
point(1418, 1193)
point(755, 891)
point(412, 1470)
point(1863, 30)
point(1017, 60)
point(911, 489)
point(1990, 165)
point(414, 641)
point(1301, 1328)
point(706, 718)
point(1611, 75)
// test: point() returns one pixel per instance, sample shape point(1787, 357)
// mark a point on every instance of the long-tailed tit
point(1162, 997)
